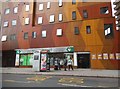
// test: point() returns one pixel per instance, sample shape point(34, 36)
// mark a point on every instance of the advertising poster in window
point(117, 56)
point(105, 56)
point(99, 56)
point(93, 56)
point(112, 57)
point(43, 62)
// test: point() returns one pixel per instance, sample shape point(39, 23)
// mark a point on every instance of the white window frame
point(44, 33)
point(7, 11)
point(40, 20)
point(48, 5)
point(15, 9)
point(59, 32)
point(27, 21)
point(6, 24)
point(40, 6)
point(60, 17)
point(52, 18)
point(14, 22)
point(60, 3)
point(27, 7)
point(4, 38)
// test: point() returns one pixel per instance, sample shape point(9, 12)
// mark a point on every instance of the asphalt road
point(15, 80)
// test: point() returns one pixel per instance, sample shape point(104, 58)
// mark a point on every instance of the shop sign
point(18, 52)
point(70, 49)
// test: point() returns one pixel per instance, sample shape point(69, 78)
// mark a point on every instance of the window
point(88, 29)
point(40, 20)
point(12, 37)
point(4, 38)
point(52, 18)
point(27, 21)
point(108, 30)
point(60, 3)
point(73, 1)
point(34, 34)
point(59, 32)
point(14, 22)
point(76, 31)
point(85, 14)
point(26, 35)
point(6, 24)
point(60, 17)
point(7, 11)
point(16, 10)
point(40, 7)
point(27, 7)
point(73, 15)
point(44, 34)
point(104, 10)
point(48, 5)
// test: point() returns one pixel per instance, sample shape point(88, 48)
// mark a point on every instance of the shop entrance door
point(83, 60)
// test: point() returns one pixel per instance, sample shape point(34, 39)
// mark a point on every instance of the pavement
point(75, 72)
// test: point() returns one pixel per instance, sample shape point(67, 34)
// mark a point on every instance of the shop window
point(52, 18)
point(85, 14)
point(76, 31)
point(60, 3)
point(40, 7)
point(34, 34)
point(59, 32)
point(60, 17)
point(104, 10)
point(44, 34)
point(6, 24)
point(48, 5)
point(27, 20)
point(12, 37)
point(88, 29)
point(27, 7)
point(26, 35)
point(73, 1)
point(4, 38)
point(16, 10)
point(108, 30)
point(40, 20)
point(14, 22)
point(74, 15)
point(7, 11)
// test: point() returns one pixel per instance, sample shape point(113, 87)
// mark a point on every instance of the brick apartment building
point(85, 31)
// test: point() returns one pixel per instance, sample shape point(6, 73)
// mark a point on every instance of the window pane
point(60, 17)
point(73, 15)
point(26, 35)
point(73, 1)
point(76, 30)
point(104, 10)
point(85, 14)
point(27, 8)
point(7, 11)
point(12, 37)
point(6, 24)
point(14, 22)
point(108, 30)
point(52, 17)
point(34, 34)
point(4, 38)
point(43, 33)
point(40, 6)
point(60, 2)
point(26, 21)
point(88, 29)
point(48, 5)
point(59, 32)
point(16, 10)
point(39, 20)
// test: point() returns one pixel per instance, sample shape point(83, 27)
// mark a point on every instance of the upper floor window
point(59, 32)
point(27, 7)
point(27, 21)
point(44, 34)
point(52, 18)
point(40, 20)
point(48, 5)
point(6, 24)
point(73, 15)
point(14, 22)
point(40, 7)
point(76, 31)
point(104, 10)
point(60, 17)
point(88, 29)
point(85, 14)
point(26, 35)
point(73, 1)
point(7, 11)
point(4, 38)
point(34, 34)
point(12, 37)
point(108, 30)
point(60, 3)
point(16, 10)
